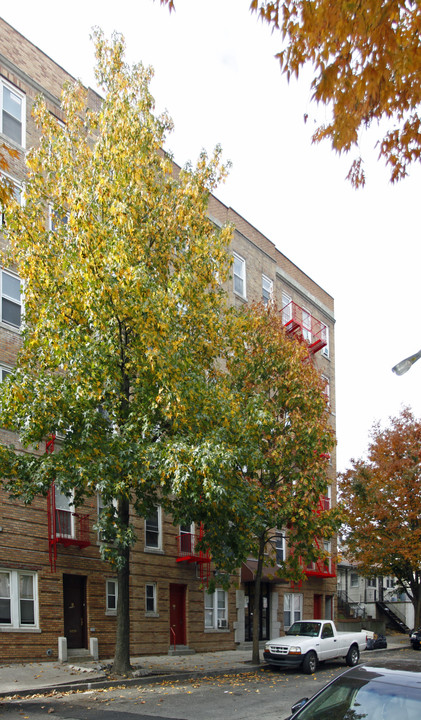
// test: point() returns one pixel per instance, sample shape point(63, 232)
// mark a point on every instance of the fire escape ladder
point(187, 551)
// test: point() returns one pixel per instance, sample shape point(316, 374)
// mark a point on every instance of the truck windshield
point(308, 629)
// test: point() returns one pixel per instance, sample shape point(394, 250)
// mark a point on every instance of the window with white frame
point(325, 336)
point(354, 580)
point(280, 547)
point(17, 195)
point(187, 539)
point(111, 596)
point(150, 599)
point(4, 372)
point(153, 530)
point(306, 325)
point(18, 599)
point(11, 299)
point(57, 218)
point(103, 506)
point(64, 514)
point(239, 275)
point(286, 308)
point(216, 610)
point(12, 121)
point(267, 290)
point(293, 608)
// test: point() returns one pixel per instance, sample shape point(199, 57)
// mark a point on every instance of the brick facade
point(24, 546)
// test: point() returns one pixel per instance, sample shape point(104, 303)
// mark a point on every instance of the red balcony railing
point(187, 551)
point(304, 326)
point(64, 528)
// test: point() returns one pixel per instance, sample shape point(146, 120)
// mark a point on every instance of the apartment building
point(56, 594)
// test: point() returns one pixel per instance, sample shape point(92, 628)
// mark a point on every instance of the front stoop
point(79, 655)
point(181, 650)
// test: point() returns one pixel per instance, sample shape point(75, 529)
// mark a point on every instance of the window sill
point(152, 614)
point(19, 630)
point(12, 328)
point(156, 551)
point(217, 630)
point(111, 613)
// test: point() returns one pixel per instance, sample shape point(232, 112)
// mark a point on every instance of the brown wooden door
point(74, 604)
point(178, 614)
point(317, 607)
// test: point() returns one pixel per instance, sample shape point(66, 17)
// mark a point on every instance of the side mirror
point(298, 705)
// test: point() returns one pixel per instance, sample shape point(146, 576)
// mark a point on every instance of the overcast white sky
point(216, 74)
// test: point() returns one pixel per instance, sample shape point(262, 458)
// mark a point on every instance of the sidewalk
point(43, 677)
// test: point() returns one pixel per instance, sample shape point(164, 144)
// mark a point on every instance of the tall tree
point(272, 465)
point(382, 500)
point(366, 63)
point(123, 306)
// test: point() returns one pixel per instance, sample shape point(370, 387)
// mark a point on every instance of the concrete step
point(78, 655)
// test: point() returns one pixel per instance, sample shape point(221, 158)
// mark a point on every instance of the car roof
point(392, 672)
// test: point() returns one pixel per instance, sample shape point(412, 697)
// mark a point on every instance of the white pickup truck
point(308, 642)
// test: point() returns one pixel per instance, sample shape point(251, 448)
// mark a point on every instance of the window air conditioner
point(222, 623)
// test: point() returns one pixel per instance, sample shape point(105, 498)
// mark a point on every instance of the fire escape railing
point(306, 328)
point(64, 526)
point(187, 551)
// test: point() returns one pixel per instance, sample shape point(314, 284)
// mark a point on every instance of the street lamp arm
point(403, 366)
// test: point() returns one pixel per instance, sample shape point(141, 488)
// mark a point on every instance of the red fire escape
point(64, 527)
point(187, 551)
point(306, 328)
point(321, 567)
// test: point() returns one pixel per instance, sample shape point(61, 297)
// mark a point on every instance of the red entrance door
point(178, 614)
point(317, 607)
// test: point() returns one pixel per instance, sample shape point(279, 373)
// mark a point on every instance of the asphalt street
point(261, 692)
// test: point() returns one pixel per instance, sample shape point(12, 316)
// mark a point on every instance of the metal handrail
point(172, 631)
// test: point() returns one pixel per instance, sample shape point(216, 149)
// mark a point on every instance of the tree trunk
point(121, 664)
point(256, 608)
point(417, 606)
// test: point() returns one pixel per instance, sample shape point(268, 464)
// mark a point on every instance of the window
point(280, 547)
point(4, 372)
point(11, 301)
point(17, 194)
point(18, 599)
point(150, 598)
point(371, 582)
point(267, 290)
point(293, 608)
point(354, 580)
point(111, 595)
point(306, 325)
point(57, 218)
point(64, 515)
point(239, 275)
point(286, 308)
point(216, 610)
point(325, 336)
point(153, 530)
point(12, 113)
point(187, 540)
point(110, 508)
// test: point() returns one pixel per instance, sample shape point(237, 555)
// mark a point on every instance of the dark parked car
point(415, 639)
point(367, 692)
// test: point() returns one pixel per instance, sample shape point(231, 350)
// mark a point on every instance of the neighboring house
point(376, 597)
point(53, 583)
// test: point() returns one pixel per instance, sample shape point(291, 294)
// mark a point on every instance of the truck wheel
point(310, 663)
point(353, 656)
